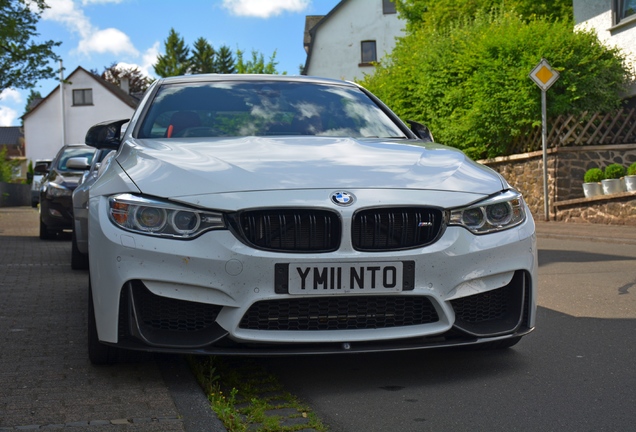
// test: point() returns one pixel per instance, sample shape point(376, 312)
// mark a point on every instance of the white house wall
point(336, 45)
point(597, 15)
point(43, 127)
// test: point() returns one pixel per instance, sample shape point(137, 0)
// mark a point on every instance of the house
point(345, 43)
point(615, 24)
point(87, 100)
point(12, 138)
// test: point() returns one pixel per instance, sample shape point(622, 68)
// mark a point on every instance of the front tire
point(79, 261)
point(98, 353)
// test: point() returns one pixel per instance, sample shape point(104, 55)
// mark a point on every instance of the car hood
point(186, 167)
point(68, 179)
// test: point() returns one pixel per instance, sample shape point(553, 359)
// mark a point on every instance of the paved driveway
point(46, 380)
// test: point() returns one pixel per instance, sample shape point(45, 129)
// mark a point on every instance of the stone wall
point(566, 168)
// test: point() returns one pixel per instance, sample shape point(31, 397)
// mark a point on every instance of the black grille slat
point(395, 229)
point(339, 313)
point(295, 230)
point(306, 230)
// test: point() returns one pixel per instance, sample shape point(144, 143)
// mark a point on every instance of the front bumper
point(57, 213)
point(215, 295)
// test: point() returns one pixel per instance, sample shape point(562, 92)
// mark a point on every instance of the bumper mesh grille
point(395, 229)
point(161, 313)
point(291, 230)
point(339, 313)
point(488, 306)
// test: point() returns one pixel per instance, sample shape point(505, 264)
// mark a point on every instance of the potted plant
point(613, 183)
point(592, 182)
point(630, 178)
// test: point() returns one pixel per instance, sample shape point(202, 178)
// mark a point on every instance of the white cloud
point(108, 40)
point(7, 116)
point(264, 9)
point(11, 95)
point(65, 12)
point(92, 39)
point(149, 58)
point(86, 2)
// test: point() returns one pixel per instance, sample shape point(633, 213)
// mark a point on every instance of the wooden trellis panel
point(582, 130)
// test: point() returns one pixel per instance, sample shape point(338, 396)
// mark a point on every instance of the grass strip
point(245, 396)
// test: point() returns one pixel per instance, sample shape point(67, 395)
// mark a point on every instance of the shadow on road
point(551, 256)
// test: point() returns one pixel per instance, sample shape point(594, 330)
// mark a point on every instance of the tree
point(469, 83)
point(176, 60)
point(257, 64)
point(137, 81)
point(33, 96)
point(442, 13)
point(6, 166)
point(23, 61)
point(225, 61)
point(203, 57)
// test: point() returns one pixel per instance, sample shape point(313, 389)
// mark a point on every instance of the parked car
point(58, 183)
point(79, 239)
point(40, 166)
point(268, 215)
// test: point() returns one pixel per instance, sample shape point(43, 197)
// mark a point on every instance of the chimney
point(124, 84)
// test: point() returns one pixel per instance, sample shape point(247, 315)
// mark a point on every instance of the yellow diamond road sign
point(543, 75)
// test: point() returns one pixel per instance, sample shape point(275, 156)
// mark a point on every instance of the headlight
point(161, 218)
point(497, 213)
point(55, 191)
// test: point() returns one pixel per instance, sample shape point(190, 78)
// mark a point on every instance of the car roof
point(252, 78)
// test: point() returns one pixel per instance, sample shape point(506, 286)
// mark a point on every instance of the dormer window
point(82, 97)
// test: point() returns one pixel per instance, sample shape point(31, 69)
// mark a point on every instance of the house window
point(368, 53)
point(388, 7)
point(83, 97)
point(625, 9)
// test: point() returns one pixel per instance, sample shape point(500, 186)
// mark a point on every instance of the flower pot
point(592, 189)
point(612, 186)
point(630, 183)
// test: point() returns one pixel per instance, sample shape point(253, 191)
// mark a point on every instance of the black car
point(58, 183)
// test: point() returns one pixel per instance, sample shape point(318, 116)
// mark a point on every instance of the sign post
point(544, 76)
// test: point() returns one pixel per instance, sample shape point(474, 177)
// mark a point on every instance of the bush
point(469, 84)
point(632, 169)
point(614, 171)
point(593, 175)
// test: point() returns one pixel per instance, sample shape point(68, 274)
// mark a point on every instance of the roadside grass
point(247, 397)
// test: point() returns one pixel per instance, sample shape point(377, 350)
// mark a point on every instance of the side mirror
point(78, 163)
point(40, 169)
point(421, 131)
point(105, 135)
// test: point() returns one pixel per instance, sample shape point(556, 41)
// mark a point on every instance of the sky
point(98, 33)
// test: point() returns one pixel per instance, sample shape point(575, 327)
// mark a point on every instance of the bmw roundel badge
point(342, 198)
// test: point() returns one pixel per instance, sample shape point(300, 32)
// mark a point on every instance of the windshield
point(235, 109)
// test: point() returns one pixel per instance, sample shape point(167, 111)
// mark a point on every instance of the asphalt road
point(576, 372)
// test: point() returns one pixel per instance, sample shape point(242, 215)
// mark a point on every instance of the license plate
point(346, 278)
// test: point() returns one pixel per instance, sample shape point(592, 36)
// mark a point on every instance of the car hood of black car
point(68, 179)
point(193, 166)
